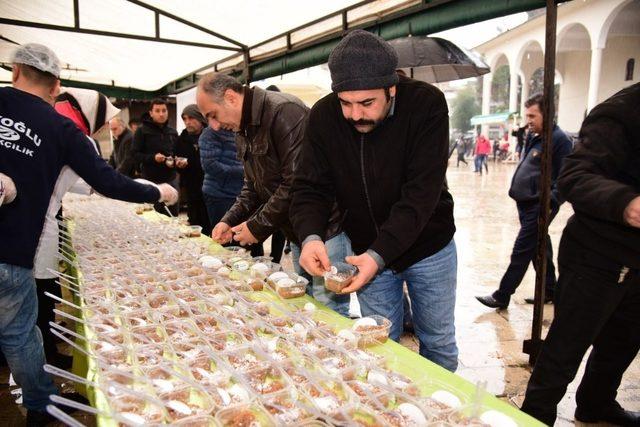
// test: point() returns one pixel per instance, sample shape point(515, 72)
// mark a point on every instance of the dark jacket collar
point(252, 107)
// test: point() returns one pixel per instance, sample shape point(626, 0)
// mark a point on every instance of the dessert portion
point(339, 277)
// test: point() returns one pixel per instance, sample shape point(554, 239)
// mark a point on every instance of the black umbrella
point(433, 59)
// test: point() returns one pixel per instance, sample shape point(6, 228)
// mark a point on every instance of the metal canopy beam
point(185, 22)
point(425, 18)
point(21, 23)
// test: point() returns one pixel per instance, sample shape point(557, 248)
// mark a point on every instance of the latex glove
point(168, 194)
point(367, 269)
point(632, 213)
point(243, 235)
point(8, 190)
point(222, 233)
point(314, 258)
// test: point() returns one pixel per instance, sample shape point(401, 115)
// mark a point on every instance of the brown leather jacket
point(268, 145)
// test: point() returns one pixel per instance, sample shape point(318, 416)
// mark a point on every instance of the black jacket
point(390, 183)
point(269, 146)
point(525, 182)
point(191, 177)
point(602, 176)
point(149, 139)
point(122, 157)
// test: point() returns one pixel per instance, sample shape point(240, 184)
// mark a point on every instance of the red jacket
point(482, 145)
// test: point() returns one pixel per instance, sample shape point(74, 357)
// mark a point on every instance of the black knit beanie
point(362, 61)
point(192, 111)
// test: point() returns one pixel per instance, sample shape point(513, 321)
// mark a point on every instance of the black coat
point(149, 139)
point(602, 176)
point(191, 177)
point(122, 157)
point(390, 183)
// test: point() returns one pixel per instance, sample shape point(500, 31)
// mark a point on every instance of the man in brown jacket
point(269, 129)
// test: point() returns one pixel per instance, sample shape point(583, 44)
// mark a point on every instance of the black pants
point(277, 245)
point(46, 315)
point(524, 252)
point(592, 308)
point(197, 213)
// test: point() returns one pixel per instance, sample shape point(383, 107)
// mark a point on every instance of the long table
point(405, 361)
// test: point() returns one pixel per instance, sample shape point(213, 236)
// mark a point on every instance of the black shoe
point(490, 301)
point(42, 418)
point(615, 415)
point(62, 361)
point(548, 299)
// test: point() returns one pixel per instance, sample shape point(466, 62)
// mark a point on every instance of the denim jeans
point(432, 288)
point(338, 248)
point(20, 338)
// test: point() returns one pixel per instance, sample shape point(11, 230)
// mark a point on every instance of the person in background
point(188, 166)
point(134, 124)
point(379, 146)
point(121, 158)
point(269, 129)
point(483, 148)
point(520, 134)
point(496, 150)
point(461, 148)
point(153, 144)
point(524, 190)
point(43, 143)
point(598, 295)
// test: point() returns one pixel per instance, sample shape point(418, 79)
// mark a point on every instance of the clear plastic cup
point(339, 277)
point(248, 414)
point(372, 329)
point(292, 287)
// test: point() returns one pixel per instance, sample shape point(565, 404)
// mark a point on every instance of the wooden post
point(533, 345)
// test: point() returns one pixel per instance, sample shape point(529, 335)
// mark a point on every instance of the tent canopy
point(489, 119)
point(152, 47)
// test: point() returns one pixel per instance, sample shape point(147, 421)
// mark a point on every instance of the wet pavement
point(490, 341)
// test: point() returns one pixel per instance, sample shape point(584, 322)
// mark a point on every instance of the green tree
point(464, 107)
point(500, 90)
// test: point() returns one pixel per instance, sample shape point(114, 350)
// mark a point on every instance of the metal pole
point(532, 346)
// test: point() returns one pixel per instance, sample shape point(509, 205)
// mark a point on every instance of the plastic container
point(288, 407)
point(292, 287)
point(266, 379)
point(372, 329)
point(243, 415)
point(480, 416)
point(339, 277)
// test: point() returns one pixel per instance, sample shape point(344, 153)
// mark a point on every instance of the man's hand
point(7, 189)
point(314, 258)
point(168, 194)
point(242, 234)
point(181, 162)
point(632, 213)
point(159, 158)
point(221, 233)
point(367, 269)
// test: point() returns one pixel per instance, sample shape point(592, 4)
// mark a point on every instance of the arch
point(573, 36)
point(497, 60)
point(601, 40)
point(525, 48)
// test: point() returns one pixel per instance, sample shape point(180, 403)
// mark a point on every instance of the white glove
point(168, 194)
point(8, 190)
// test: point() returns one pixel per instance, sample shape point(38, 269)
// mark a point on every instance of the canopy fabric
point(488, 119)
point(149, 65)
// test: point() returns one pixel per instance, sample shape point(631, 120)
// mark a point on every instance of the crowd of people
point(358, 178)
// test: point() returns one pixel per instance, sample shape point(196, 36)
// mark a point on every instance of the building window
point(630, 65)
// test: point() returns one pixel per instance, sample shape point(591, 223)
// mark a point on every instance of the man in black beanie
point(187, 162)
point(378, 145)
